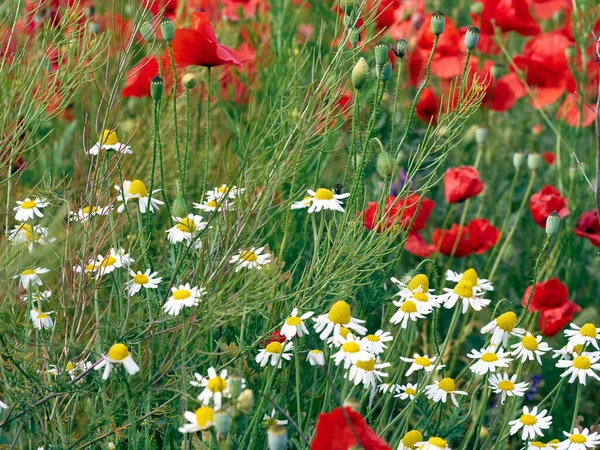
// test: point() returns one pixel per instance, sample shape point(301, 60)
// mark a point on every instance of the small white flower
point(104, 265)
point(118, 354)
point(407, 390)
point(31, 276)
point(84, 214)
point(215, 387)
point(41, 319)
point(316, 357)
point(181, 297)
point(141, 280)
point(417, 290)
point(109, 141)
point(464, 291)
point(214, 205)
point(384, 388)
point(587, 334)
point(36, 297)
point(224, 192)
point(302, 204)
point(325, 199)
point(537, 445)
point(28, 209)
point(250, 259)
point(488, 360)
point(3, 405)
point(136, 190)
point(201, 419)
point(25, 234)
point(421, 363)
point(407, 310)
point(440, 390)
point(367, 372)
point(531, 423)
point(272, 419)
point(502, 327)
point(186, 229)
point(294, 325)
point(530, 347)
point(375, 343)
point(74, 370)
point(580, 367)
point(502, 384)
point(338, 317)
point(275, 352)
point(434, 443)
point(479, 284)
point(350, 352)
point(579, 440)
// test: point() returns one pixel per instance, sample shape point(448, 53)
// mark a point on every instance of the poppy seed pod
point(189, 81)
point(234, 383)
point(518, 160)
point(381, 53)
point(497, 70)
point(384, 164)
point(400, 48)
point(222, 422)
point(180, 208)
point(481, 135)
point(360, 73)
point(167, 29)
point(476, 8)
point(245, 401)
point(156, 88)
point(147, 31)
point(384, 73)
point(471, 38)
point(277, 437)
point(534, 161)
point(552, 224)
point(438, 22)
point(94, 27)
point(354, 36)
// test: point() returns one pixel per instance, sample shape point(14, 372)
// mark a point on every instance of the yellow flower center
point(438, 442)
point(109, 137)
point(506, 385)
point(529, 343)
point(410, 391)
point(351, 347)
point(373, 338)
point(69, 366)
point(28, 272)
point(411, 438)
point(89, 267)
point(204, 416)
point(528, 419)
point(409, 307)
point(419, 281)
point(538, 444)
point(340, 313)
point(293, 321)
point(42, 316)
point(323, 194)
point(507, 321)
point(447, 384)
point(420, 296)
point(368, 365)
point(470, 275)
point(25, 227)
point(316, 352)
point(588, 330)
point(108, 261)
point(464, 289)
point(554, 443)
point(582, 363)
point(29, 204)
point(577, 348)
point(118, 352)
point(249, 255)
point(140, 278)
point(181, 294)
point(86, 209)
point(217, 384)
point(212, 204)
point(274, 347)
point(422, 361)
point(489, 357)
point(186, 225)
point(344, 332)
point(578, 439)
point(138, 188)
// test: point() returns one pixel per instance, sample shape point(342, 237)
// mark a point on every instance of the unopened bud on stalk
point(189, 81)
point(180, 208)
point(156, 88)
point(497, 70)
point(167, 29)
point(234, 383)
point(360, 73)
point(481, 135)
point(277, 437)
point(534, 161)
point(438, 22)
point(518, 160)
point(354, 36)
point(222, 422)
point(570, 52)
point(476, 8)
point(385, 165)
point(552, 223)
point(381, 53)
point(471, 38)
point(90, 11)
point(94, 27)
point(147, 31)
point(245, 401)
point(384, 73)
point(352, 403)
point(400, 48)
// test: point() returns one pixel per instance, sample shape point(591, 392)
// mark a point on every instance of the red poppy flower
point(139, 77)
point(399, 212)
point(428, 106)
point(545, 9)
point(445, 241)
point(500, 94)
point(461, 183)
point(416, 245)
point(544, 202)
point(571, 113)
point(588, 227)
point(274, 336)
point(482, 235)
point(333, 432)
point(198, 46)
point(549, 157)
point(241, 9)
point(167, 8)
point(553, 320)
point(508, 15)
point(231, 80)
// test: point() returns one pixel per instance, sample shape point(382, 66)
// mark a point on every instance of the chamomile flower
point(464, 291)
point(215, 387)
point(271, 419)
point(109, 141)
point(384, 388)
point(531, 422)
point(442, 389)
point(502, 327)
point(36, 297)
point(538, 445)
point(367, 372)
point(136, 190)
point(275, 352)
point(410, 440)
point(417, 290)
point(41, 319)
point(587, 334)
point(84, 214)
point(74, 370)
point(24, 233)
point(214, 205)
point(507, 386)
point(338, 316)
point(250, 259)
point(530, 347)
point(294, 325)
point(350, 352)
point(488, 360)
point(201, 419)
point(302, 204)
point(28, 209)
point(324, 198)
point(183, 296)
point(31, 276)
point(334, 341)
point(104, 265)
point(579, 440)
point(421, 363)
point(139, 280)
point(375, 343)
point(580, 367)
point(565, 353)
point(479, 284)
point(117, 354)
point(224, 192)
point(186, 229)
point(433, 443)
point(407, 391)
point(407, 310)
point(316, 357)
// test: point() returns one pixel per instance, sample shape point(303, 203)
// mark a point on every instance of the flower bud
point(110, 446)
point(384, 73)
point(360, 73)
point(534, 161)
point(90, 11)
point(180, 208)
point(497, 70)
point(381, 53)
point(94, 28)
point(438, 22)
point(471, 38)
point(476, 8)
point(147, 31)
point(400, 48)
point(277, 437)
point(481, 135)
point(222, 422)
point(245, 401)
point(167, 29)
point(234, 383)
point(518, 160)
point(385, 165)
point(570, 52)
point(189, 81)
point(354, 36)
point(156, 88)
point(552, 223)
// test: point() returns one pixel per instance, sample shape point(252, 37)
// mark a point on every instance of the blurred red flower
point(167, 8)
point(445, 240)
point(333, 432)
point(139, 77)
point(588, 227)
point(546, 201)
point(549, 157)
point(241, 9)
point(461, 183)
point(508, 15)
point(274, 336)
point(428, 106)
point(399, 212)
point(482, 235)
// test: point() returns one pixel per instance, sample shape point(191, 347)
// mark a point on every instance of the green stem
point(207, 131)
point(175, 121)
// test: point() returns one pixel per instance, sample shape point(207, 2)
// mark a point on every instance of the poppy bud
point(534, 161)
point(360, 73)
point(400, 48)
point(518, 160)
point(384, 72)
point(552, 223)
point(276, 437)
point(156, 88)
point(481, 135)
point(497, 70)
point(89, 12)
point(94, 28)
point(400, 158)
point(188, 80)
point(180, 208)
point(222, 422)
point(235, 386)
point(476, 8)
point(167, 29)
point(438, 21)
point(471, 38)
point(384, 164)
point(354, 36)
point(381, 53)
point(570, 52)
point(245, 401)
point(147, 31)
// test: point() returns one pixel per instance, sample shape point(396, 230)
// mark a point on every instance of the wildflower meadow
point(300, 224)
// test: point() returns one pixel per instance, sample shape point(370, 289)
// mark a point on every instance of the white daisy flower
point(302, 204)
point(502, 327)
point(109, 141)
point(136, 190)
point(74, 370)
point(433, 443)
point(502, 384)
point(215, 387)
point(41, 319)
point(250, 259)
point(201, 419)
point(214, 205)
point(338, 316)
point(272, 419)
point(367, 372)
point(407, 310)
point(417, 290)
point(325, 199)
point(28, 209)
point(186, 229)
point(488, 360)
point(421, 363)
point(117, 354)
point(479, 284)
point(407, 390)
point(579, 440)
point(139, 280)
point(531, 423)
point(375, 343)
point(580, 367)
point(104, 265)
point(464, 291)
point(440, 390)
point(334, 341)
point(350, 352)
point(530, 347)
point(384, 388)
point(316, 357)
point(410, 440)
point(294, 325)
point(275, 352)
point(224, 192)
point(84, 214)
point(538, 445)
point(31, 276)
point(587, 334)
point(182, 296)
point(25, 234)
point(36, 297)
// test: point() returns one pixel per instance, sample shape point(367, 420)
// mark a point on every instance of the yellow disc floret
point(293, 321)
point(419, 282)
point(438, 442)
point(372, 338)
point(181, 294)
point(588, 330)
point(204, 416)
point(464, 289)
point(506, 385)
point(140, 278)
point(368, 365)
point(578, 439)
point(422, 361)
point(323, 194)
point(507, 321)
point(109, 137)
point(529, 343)
point(28, 272)
point(528, 419)
point(118, 352)
point(28, 204)
point(489, 357)
point(340, 313)
point(411, 438)
point(274, 347)
point(351, 347)
point(582, 362)
point(470, 275)
point(187, 225)
point(138, 188)
point(248, 255)
point(217, 384)
point(408, 307)
point(447, 384)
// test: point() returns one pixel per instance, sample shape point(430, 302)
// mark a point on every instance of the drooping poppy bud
point(385, 164)
point(400, 48)
point(384, 72)
point(476, 8)
point(147, 31)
